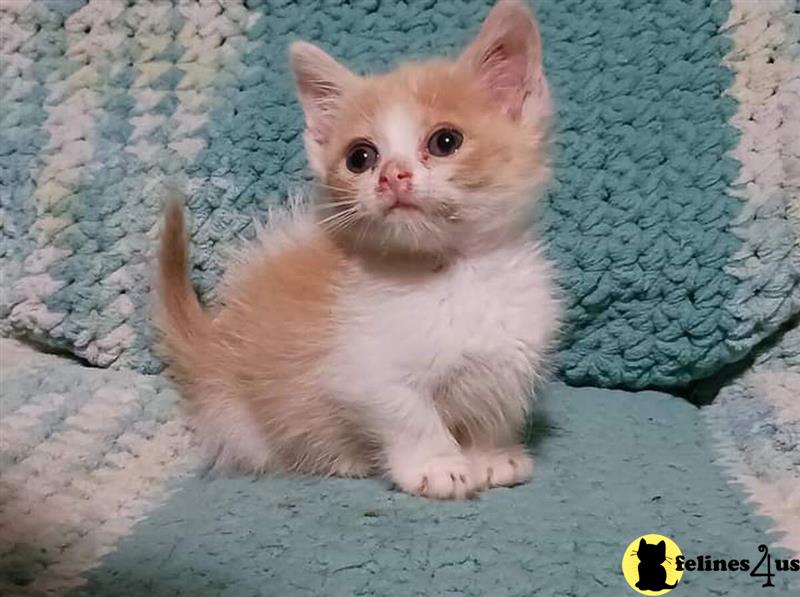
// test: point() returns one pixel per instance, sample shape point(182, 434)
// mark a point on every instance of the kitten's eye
point(361, 157)
point(444, 142)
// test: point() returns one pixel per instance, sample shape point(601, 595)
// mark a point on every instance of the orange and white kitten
point(396, 326)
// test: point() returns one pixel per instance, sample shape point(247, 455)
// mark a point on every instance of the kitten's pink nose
point(395, 175)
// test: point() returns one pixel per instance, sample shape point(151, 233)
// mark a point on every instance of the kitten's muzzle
point(396, 183)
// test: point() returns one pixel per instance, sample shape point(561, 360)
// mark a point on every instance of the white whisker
point(344, 202)
point(339, 214)
point(335, 188)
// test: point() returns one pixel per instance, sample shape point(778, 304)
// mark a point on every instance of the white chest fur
point(497, 309)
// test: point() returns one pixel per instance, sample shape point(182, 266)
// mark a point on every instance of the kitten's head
point(435, 155)
point(652, 553)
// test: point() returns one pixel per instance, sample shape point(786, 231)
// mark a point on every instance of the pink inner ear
point(320, 84)
point(320, 117)
point(505, 74)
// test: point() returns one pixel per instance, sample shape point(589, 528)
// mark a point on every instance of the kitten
point(395, 327)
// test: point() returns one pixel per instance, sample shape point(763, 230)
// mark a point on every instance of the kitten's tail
point(181, 318)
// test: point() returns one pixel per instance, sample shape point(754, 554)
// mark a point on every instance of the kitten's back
point(253, 370)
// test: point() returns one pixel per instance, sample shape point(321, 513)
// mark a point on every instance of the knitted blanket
point(674, 223)
point(103, 493)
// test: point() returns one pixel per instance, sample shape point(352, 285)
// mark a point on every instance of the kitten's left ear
point(507, 57)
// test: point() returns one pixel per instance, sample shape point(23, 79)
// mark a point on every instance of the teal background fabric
point(564, 534)
point(640, 220)
point(103, 492)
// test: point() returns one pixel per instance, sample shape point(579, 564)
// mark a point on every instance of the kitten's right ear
point(642, 544)
point(321, 82)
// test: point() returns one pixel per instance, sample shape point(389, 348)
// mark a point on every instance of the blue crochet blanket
point(671, 220)
point(674, 222)
point(102, 493)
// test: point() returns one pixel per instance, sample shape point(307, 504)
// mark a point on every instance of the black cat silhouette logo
point(649, 565)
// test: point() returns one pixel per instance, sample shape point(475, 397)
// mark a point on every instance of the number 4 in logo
point(769, 574)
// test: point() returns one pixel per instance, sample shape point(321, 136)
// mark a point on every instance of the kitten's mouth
point(402, 205)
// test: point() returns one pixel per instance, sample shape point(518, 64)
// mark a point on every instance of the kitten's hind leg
point(501, 467)
point(422, 457)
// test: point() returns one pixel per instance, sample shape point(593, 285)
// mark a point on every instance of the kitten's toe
point(503, 467)
point(439, 477)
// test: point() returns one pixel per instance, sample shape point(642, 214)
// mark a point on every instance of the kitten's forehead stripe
point(399, 132)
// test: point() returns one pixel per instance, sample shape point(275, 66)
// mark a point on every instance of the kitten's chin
point(467, 228)
point(401, 233)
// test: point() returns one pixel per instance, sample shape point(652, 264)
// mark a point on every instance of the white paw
point(502, 468)
point(442, 477)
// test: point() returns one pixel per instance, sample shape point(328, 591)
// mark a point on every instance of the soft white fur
point(399, 136)
point(416, 351)
point(465, 343)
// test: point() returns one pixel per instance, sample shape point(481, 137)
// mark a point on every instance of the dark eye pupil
point(445, 142)
point(361, 158)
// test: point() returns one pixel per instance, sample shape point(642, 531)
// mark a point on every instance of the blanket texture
point(87, 454)
point(673, 220)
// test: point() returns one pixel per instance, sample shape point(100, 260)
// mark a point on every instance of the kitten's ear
point(507, 57)
point(320, 81)
point(662, 546)
point(642, 544)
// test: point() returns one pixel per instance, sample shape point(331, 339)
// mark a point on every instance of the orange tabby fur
point(262, 347)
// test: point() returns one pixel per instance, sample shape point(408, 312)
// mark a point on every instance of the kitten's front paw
point(440, 477)
point(502, 467)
